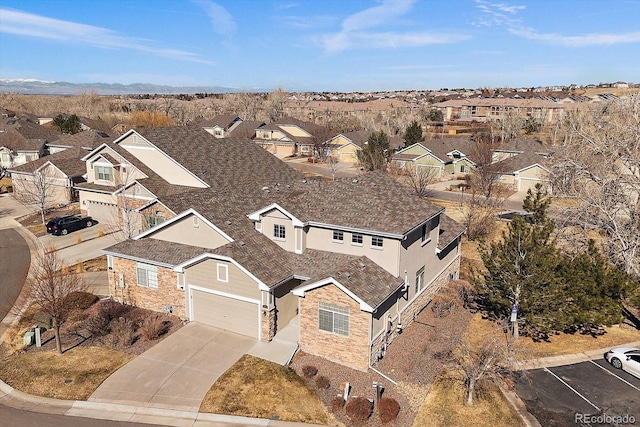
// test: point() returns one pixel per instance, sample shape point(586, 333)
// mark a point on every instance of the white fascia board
point(411, 146)
point(136, 182)
point(94, 151)
point(331, 281)
point(180, 216)
point(353, 230)
point(255, 216)
point(431, 155)
point(151, 202)
point(180, 267)
point(532, 166)
point(48, 163)
point(347, 144)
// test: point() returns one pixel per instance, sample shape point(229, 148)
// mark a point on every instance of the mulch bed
point(75, 332)
point(413, 360)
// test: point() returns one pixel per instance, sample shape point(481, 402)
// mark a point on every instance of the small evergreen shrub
point(388, 409)
point(309, 371)
point(323, 382)
point(358, 409)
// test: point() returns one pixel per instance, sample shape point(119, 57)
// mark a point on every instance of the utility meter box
point(29, 338)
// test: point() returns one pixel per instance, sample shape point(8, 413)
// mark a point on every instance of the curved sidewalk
point(570, 359)
point(116, 412)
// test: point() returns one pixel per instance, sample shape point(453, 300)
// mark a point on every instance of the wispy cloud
point(501, 14)
point(55, 30)
point(222, 20)
point(356, 31)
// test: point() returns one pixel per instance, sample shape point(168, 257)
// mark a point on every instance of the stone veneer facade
point(379, 343)
point(268, 324)
point(152, 299)
point(352, 350)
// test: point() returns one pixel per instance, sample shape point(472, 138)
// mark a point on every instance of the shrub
point(153, 327)
point(123, 332)
point(358, 409)
point(323, 382)
point(79, 300)
point(337, 403)
point(388, 409)
point(112, 309)
point(443, 305)
point(98, 325)
point(309, 371)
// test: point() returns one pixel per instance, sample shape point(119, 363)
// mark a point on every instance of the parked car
point(63, 225)
point(625, 358)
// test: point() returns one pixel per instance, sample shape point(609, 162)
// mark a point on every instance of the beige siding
point(386, 257)
point(161, 163)
point(184, 231)
point(275, 217)
point(415, 150)
point(204, 274)
point(347, 153)
point(58, 190)
point(534, 172)
point(295, 131)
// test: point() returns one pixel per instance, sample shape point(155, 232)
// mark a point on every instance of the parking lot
point(569, 395)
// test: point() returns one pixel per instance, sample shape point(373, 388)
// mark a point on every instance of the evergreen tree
point(413, 134)
point(375, 153)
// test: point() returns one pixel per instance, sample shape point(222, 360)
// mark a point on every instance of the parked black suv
point(68, 223)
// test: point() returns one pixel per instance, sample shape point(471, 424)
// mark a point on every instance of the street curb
point(570, 359)
point(117, 412)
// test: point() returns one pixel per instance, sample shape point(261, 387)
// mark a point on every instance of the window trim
point(279, 232)
point(355, 236)
point(340, 235)
point(222, 268)
point(426, 233)
point(376, 246)
point(419, 284)
point(334, 310)
point(99, 168)
point(149, 269)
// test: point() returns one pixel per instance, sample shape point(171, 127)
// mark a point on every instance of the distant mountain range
point(40, 87)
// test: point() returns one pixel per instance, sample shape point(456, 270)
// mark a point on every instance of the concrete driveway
point(178, 371)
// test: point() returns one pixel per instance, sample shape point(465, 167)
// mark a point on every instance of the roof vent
point(304, 181)
point(241, 243)
point(355, 181)
point(362, 265)
point(347, 275)
point(228, 222)
point(265, 188)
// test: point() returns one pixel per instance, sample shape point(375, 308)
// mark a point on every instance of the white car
point(625, 358)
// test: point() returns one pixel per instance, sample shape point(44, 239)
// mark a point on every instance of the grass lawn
point(254, 387)
point(73, 375)
point(445, 406)
point(558, 344)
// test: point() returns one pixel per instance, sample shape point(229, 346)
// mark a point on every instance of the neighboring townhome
point(344, 147)
point(289, 136)
point(347, 263)
point(23, 141)
point(86, 139)
point(50, 180)
point(221, 126)
point(522, 163)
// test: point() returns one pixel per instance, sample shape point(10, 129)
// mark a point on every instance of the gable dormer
point(281, 227)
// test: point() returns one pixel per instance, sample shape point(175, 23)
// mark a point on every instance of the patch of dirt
point(92, 265)
point(413, 360)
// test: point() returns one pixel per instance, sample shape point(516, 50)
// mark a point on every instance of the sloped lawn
point(73, 375)
point(254, 387)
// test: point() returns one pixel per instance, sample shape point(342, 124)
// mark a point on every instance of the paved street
point(557, 395)
point(14, 266)
point(21, 418)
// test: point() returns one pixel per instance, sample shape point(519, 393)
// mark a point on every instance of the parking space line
point(611, 373)
point(572, 389)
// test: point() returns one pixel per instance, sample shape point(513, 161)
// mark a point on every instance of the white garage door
point(225, 313)
point(105, 213)
point(526, 184)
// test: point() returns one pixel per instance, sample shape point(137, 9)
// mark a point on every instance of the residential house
point(445, 157)
point(86, 139)
point(496, 109)
point(221, 126)
point(253, 248)
point(23, 140)
point(62, 171)
point(289, 136)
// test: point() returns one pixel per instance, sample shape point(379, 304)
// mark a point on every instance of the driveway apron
point(178, 371)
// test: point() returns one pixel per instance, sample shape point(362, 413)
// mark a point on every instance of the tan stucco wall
point(204, 274)
point(387, 257)
point(183, 231)
point(273, 217)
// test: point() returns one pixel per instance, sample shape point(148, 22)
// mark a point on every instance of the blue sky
point(322, 45)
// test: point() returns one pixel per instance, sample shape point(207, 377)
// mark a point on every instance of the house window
point(223, 272)
point(376, 241)
point(333, 318)
point(426, 235)
point(464, 169)
point(338, 236)
point(104, 173)
point(279, 231)
point(356, 239)
point(419, 280)
point(304, 149)
point(147, 275)
point(157, 218)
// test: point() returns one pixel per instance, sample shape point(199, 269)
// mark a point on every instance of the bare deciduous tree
point(420, 178)
point(49, 283)
point(599, 167)
point(36, 190)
